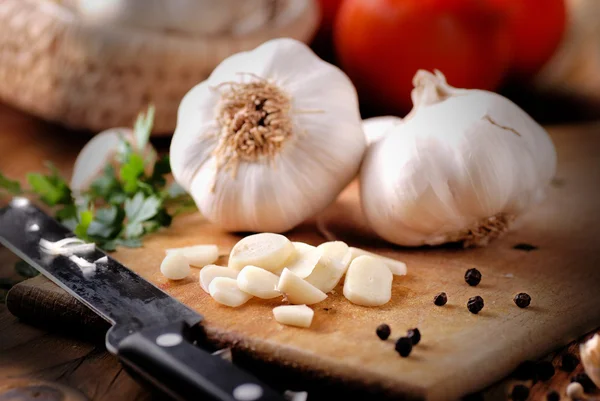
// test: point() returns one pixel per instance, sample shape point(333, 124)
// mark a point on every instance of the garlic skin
point(590, 358)
point(376, 128)
point(268, 169)
point(459, 168)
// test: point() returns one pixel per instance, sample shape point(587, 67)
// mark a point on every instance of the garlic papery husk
point(376, 128)
point(590, 358)
point(270, 139)
point(459, 168)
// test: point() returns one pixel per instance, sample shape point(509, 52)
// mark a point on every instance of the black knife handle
point(167, 359)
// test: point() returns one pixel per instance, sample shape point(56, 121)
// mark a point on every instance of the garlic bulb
point(460, 167)
point(269, 139)
point(590, 358)
point(377, 127)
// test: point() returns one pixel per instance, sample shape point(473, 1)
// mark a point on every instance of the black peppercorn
point(475, 304)
point(404, 346)
point(414, 335)
point(525, 371)
point(440, 299)
point(585, 381)
point(569, 362)
point(553, 395)
point(544, 370)
point(519, 393)
point(383, 331)
point(473, 277)
point(522, 300)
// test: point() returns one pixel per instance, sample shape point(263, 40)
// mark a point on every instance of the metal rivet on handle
point(169, 340)
point(247, 392)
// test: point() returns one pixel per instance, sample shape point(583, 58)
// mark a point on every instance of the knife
point(152, 334)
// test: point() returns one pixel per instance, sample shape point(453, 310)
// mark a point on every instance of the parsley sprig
point(126, 202)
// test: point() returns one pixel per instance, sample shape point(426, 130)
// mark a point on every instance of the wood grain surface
point(460, 352)
point(29, 355)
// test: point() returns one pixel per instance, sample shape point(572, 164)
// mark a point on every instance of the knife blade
point(152, 333)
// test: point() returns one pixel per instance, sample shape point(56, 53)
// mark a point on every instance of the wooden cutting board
point(459, 352)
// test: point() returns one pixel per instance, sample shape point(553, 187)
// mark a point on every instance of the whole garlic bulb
point(269, 139)
point(460, 167)
point(377, 127)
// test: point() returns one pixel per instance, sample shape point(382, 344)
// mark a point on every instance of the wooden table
point(82, 368)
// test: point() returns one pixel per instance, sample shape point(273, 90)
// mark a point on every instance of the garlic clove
point(590, 358)
point(304, 260)
point(225, 291)
point(337, 250)
point(368, 282)
point(198, 255)
point(294, 315)
point(258, 282)
point(298, 291)
point(397, 267)
point(210, 272)
point(376, 128)
point(175, 266)
point(327, 274)
point(266, 250)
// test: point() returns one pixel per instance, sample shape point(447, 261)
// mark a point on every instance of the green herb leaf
point(131, 172)
point(52, 188)
point(10, 186)
point(23, 269)
point(143, 128)
point(139, 209)
point(85, 219)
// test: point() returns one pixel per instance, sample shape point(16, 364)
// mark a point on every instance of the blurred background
point(94, 64)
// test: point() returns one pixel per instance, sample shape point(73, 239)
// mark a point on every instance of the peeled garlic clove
point(298, 291)
point(266, 250)
point(377, 127)
point(225, 291)
point(175, 266)
point(258, 282)
point(210, 272)
point(368, 282)
point(294, 315)
point(327, 274)
point(396, 267)
point(337, 250)
point(460, 168)
point(198, 255)
point(590, 358)
point(308, 147)
point(304, 259)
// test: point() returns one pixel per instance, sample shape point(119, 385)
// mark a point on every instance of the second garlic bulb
point(269, 139)
point(459, 168)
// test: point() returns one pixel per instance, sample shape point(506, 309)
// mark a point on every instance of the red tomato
point(323, 42)
point(536, 28)
point(382, 43)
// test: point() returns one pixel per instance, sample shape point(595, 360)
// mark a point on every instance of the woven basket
point(85, 76)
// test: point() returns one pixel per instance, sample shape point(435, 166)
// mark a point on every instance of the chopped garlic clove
point(337, 250)
point(294, 315)
point(590, 358)
point(210, 272)
point(225, 291)
point(266, 250)
point(175, 266)
point(368, 282)
point(298, 291)
point(258, 282)
point(327, 274)
point(396, 267)
point(304, 260)
point(198, 255)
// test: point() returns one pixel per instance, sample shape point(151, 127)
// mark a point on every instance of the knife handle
point(166, 358)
